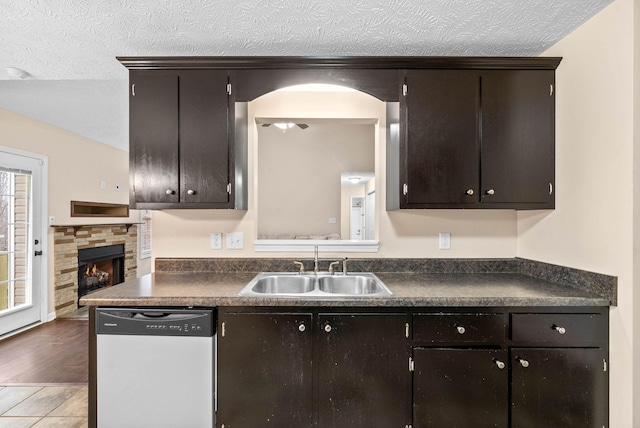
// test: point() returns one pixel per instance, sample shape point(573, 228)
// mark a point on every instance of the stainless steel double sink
point(314, 285)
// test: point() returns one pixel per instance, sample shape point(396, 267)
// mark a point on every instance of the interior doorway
point(356, 219)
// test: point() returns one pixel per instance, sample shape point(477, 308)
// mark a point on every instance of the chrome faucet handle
point(301, 271)
point(344, 265)
point(331, 265)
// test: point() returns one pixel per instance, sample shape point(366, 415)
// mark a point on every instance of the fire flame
point(91, 271)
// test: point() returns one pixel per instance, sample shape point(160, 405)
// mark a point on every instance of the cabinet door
point(460, 388)
point(559, 388)
point(363, 374)
point(441, 136)
point(518, 140)
point(153, 136)
point(264, 370)
point(204, 143)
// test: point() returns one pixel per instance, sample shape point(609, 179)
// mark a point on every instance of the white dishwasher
point(155, 368)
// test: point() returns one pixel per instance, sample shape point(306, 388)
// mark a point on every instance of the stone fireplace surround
point(67, 241)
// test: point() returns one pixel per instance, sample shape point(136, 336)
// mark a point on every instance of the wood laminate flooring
point(54, 353)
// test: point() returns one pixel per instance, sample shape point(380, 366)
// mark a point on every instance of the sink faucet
point(344, 265)
point(331, 265)
point(315, 260)
point(301, 265)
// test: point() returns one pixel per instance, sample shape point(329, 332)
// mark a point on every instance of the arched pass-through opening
point(324, 119)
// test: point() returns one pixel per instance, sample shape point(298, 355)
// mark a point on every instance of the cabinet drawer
point(463, 328)
point(562, 329)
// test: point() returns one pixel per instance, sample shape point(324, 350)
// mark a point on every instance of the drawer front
point(463, 328)
point(559, 329)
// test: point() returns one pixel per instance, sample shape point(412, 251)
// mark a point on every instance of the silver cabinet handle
point(550, 188)
point(559, 329)
point(490, 192)
point(327, 328)
point(469, 192)
point(170, 192)
point(501, 365)
point(301, 327)
point(133, 89)
point(524, 363)
point(461, 329)
point(191, 192)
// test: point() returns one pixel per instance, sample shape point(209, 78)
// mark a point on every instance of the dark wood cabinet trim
point(319, 62)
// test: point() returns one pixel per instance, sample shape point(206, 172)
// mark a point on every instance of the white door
point(21, 241)
point(370, 216)
point(356, 219)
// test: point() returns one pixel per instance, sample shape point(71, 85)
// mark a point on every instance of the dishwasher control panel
point(156, 322)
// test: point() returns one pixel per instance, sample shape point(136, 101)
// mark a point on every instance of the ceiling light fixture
point(354, 180)
point(284, 125)
point(16, 73)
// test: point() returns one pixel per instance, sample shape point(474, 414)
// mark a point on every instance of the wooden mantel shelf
point(77, 227)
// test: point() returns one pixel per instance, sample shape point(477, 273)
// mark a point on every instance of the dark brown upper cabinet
point(473, 132)
point(180, 151)
point(477, 139)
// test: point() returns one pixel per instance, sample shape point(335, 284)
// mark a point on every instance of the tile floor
point(43, 406)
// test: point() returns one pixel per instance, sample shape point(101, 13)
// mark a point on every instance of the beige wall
point(591, 227)
point(636, 206)
point(408, 233)
point(76, 167)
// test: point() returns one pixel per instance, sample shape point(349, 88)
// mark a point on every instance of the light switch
point(235, 241)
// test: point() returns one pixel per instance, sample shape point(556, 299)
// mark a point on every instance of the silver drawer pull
point(501, 365)
point(170, 192)
point(327, 328)
point(461, 329)
point(490, 192)
point(524, 363)
point(469, 192)
point(559, 329)
point(191, 192)
point(301, 327)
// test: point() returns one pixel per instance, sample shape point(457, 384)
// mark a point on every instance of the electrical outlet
point(445, 241)
point(103, 185)
point(332, 220)
point(216, 241)
point(52, 220)
point(235, 241)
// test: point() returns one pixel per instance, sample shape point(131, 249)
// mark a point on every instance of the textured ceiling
point(78, 40)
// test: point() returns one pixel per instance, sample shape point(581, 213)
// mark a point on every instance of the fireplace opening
point(99, 267)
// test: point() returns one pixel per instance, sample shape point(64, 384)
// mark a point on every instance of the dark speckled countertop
point(476, 287)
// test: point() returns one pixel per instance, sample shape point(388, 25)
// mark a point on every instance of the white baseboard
point(51, 317)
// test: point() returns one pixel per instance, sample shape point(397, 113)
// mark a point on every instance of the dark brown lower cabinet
point(384, 368)
point(363, 375)
point(265, 370)
point(562, 387)
point(273, 367)
point(460, 388)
